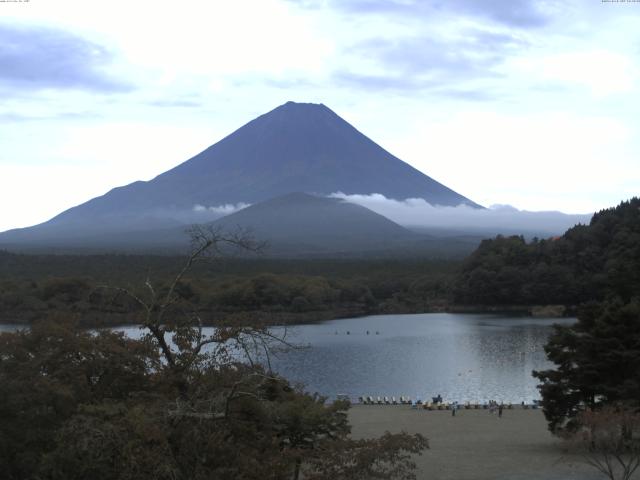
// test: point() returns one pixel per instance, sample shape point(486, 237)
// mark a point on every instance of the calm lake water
point(463, 357)
point(9, 327)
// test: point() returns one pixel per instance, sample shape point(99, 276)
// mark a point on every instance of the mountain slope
point(295, 147)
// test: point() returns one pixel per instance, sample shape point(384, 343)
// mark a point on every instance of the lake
point(463, 357)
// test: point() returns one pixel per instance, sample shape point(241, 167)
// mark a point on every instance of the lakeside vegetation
point(588, 263)
point(276, 291)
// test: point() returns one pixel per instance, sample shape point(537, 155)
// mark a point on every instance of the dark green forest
point(280, 291)
point(596, 364)
point(587, 263)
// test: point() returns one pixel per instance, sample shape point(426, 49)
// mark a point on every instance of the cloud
point(498, 219)
point(445, 66)
point(377, 82)
point(35, 58)
point(404, 84)
point(221, 210)
point(289, 83)
point(600, 70)
point(14, 117)
point(176, 103)
point(469, 50)
point(451, 49)
point(195, 215)
point(514, 13)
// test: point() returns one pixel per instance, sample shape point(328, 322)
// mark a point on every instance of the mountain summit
point(297, 147)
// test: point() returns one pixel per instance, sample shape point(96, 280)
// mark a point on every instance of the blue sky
point(529, 103)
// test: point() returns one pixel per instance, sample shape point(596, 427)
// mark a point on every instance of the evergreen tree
point(587, 263)
point(597, 363)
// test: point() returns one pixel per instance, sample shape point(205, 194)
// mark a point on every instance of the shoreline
point(283, 319)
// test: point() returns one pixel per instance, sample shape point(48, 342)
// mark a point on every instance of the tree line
point(283, 291)
point(588, 263)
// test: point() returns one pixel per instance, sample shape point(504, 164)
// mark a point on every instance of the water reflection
point(11, 327)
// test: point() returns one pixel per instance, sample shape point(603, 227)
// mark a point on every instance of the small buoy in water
point(348, 332)
point(336, 332)
point(367, 332)
point(377, 333)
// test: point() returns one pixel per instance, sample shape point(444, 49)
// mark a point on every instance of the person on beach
point(454, 407)
point(500, 407)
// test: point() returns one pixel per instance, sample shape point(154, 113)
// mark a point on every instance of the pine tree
point(597, 362)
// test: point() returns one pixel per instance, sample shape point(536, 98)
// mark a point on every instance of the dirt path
point(476, 444)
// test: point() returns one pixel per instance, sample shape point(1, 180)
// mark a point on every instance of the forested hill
point(589, 262)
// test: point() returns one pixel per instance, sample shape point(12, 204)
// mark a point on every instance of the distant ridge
point(299, 222)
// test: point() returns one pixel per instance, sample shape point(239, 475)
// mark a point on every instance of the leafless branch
point(127, 292)
point(607, 442)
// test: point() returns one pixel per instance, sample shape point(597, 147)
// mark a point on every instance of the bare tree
point(175, 325)
point(609, 440)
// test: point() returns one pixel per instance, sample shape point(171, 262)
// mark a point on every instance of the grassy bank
point(475, 444)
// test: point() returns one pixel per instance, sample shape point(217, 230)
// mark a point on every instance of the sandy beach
point(476, 444)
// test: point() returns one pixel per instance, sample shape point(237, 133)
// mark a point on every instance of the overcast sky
point(528, 103)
